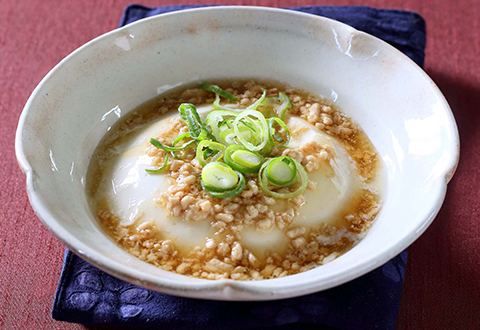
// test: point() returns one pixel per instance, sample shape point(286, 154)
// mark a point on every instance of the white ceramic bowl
point(394, 101)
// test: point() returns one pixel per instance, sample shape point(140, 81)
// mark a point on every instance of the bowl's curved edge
point(230, 289)
point(451, 167)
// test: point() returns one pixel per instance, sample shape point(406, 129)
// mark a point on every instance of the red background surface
point(442, 284)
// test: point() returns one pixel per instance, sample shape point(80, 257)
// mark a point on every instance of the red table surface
point(442, 283)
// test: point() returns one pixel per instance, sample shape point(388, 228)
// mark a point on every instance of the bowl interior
point(396, 104)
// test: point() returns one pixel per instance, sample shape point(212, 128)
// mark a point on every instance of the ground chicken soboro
point(223, 255)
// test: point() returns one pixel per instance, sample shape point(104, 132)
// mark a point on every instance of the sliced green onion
point(207, 152)
point(219, 176)
point(180, 138)
point(177, 140)
point(281, 171)
point(268, 148)
point(273, 133)
point(243, 136)
point(280, 109)
point(260, 125)
point(301, 179)
point(173, 149)
point(255, 105)
point(249, 125)
point(219, 117)
point(159, 169)
point(216, 104)
point(217, 90)
point(218, 120)
point(227, 193)
point(208, 149)
point(229, 135)
point(158, 145)
point(156, 170)
point(247, 158)
point(243, 160)
point(220, 181)
point(189, 114)
point(286, 104)
point(229, 121)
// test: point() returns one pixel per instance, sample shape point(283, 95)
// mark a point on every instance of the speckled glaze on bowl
point(395, 102)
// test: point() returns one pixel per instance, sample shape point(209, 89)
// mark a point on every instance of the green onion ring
point(281, 171)
point(173, 149)
point(229, 135)
point(189, 114)
point(216, 104)
point(221, 181)
point(217, 90)
point(180, 138)
point(216, 120)
point(255, 105)
point(260, 123)
point(159, 146)
point(177, 140)
point(229, 193)
point(272, 132)
point(279, 109)
point(214, 146)
point(301, 177)
point(286, 104)
point(240, 159)
point(219, 176)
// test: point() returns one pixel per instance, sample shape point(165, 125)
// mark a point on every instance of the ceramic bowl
point(394, 101)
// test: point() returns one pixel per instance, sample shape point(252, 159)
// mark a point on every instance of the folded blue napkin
point(87, 295)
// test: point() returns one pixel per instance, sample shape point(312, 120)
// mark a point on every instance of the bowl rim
point(254, 290)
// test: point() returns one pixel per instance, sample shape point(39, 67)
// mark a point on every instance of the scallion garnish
point(229, 135)
point(197, 130)
point(158, 145)
point(240, 137)
point(217, 106)
point(217, 90)
point(281, 104)
point(180, 138)
point(167, 149)
point(243, 160)
point(255, 105)
point(273, 132)
point(261, 129)
point(280, 172)
point(229, 193)
point(218, 121)
point(221, 181)
point(208, 149)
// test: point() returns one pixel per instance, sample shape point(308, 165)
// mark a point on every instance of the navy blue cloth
point(89, 296)
point(403, 30)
